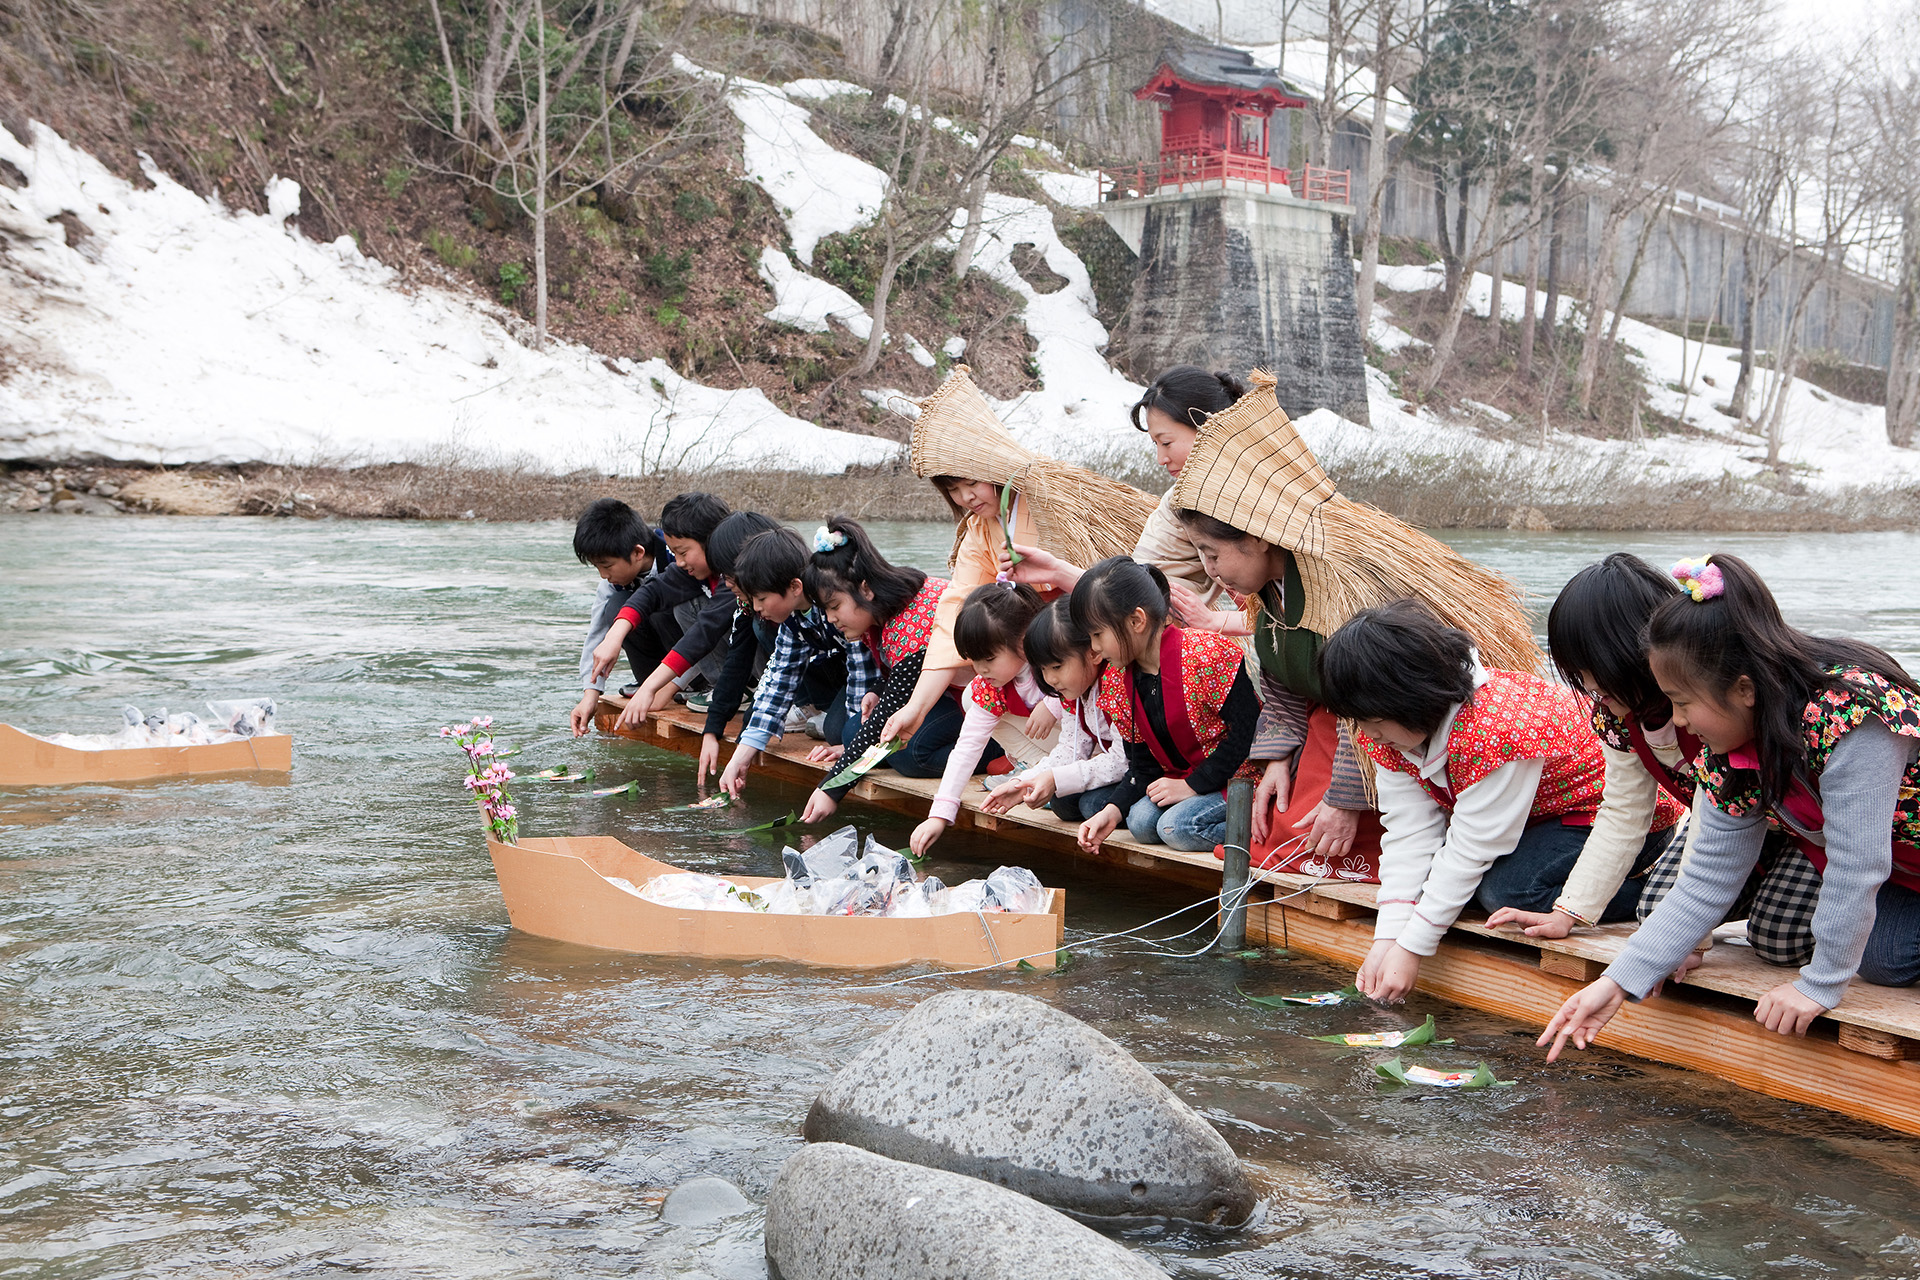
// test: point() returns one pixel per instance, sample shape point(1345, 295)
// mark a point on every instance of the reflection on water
point(281, 1028)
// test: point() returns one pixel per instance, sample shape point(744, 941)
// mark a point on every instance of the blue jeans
point(1195, 825)
point(926, 752)
point(1084, 804)
point(1532, 876)
point(1892, 957)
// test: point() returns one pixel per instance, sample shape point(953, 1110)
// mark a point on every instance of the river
point(264, 1028)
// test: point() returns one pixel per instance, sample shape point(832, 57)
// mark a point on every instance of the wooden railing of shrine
point(1179, 171)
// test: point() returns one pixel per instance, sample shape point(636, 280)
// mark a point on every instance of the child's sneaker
point(699, 701)
point(796, 721)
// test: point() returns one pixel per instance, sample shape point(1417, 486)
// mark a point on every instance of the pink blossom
point(505, 812)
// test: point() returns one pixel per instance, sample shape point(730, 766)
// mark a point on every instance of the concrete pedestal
point(1236, 277)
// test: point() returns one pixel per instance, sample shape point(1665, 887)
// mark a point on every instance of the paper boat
point(27, 761)
point(559, 888)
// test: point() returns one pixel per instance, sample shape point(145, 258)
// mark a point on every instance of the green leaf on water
point(1304, 998)
point(1481, 1077)
point(786, 821)
point(1026, 966)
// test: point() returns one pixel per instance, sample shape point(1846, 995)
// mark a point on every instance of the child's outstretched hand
point(924, 835)
point(1095, 830)
point(1037, 788)
point(1388, 973)
point(606, 654)
point(820, 807)
point(826, 753)
point(734, 780)
point(1003, 797)
point(634, 714)
point(581, 717)
point(1581, 1017)
point(709, 761)
point(1270, 797)
point(1041, 723)
point(1786, 1010)
point(1535, 924)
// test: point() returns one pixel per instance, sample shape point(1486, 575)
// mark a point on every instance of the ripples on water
point(283, 1028)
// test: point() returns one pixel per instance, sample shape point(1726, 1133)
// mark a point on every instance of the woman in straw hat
point(1268, 523)
point(1002, 494)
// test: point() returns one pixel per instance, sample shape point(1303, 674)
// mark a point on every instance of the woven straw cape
point(1250, 469)
point(1083, 517)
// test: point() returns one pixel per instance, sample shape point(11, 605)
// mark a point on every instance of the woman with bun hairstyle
point(1002, 494)
point(1595, 636)
point(1268, 524)
point(1175, 405)
point(1813, 736)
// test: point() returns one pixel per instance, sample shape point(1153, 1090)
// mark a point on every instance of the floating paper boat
point(563, 888)
point(27, 761)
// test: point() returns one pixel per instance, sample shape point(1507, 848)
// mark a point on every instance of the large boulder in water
point(837, 1211)
point(1002, 1087)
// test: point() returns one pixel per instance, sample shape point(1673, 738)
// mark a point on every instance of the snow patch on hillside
point(175, 331)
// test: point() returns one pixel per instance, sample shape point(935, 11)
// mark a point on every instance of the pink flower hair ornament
point(1699, 579)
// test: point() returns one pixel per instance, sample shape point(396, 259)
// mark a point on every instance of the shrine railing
point(1180, 171)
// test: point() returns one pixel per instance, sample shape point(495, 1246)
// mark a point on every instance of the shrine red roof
point(1218, 71)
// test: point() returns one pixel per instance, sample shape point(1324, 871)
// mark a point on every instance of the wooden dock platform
point(1861, 1059)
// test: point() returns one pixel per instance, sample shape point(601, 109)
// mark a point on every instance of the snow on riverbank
point(1828, 444)
point(174, 331)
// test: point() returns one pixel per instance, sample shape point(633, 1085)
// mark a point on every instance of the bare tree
point(1395, 27)
point(935, 170)
point(1671, 102)
point(533, 84)
point(1893, 106)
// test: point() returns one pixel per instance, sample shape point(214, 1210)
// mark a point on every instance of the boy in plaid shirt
point(811, 663)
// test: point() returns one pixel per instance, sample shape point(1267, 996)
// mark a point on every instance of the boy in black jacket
point(693, 593)
point(625, 550)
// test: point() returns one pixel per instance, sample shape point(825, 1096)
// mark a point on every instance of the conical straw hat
point(1082, 516)
point(1250, 469)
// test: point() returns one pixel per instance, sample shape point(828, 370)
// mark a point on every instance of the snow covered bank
point(172, 331)
point(1829, 445)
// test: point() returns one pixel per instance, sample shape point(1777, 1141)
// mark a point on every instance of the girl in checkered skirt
point(1595, 633)
point(1488, 780)
point(1815, 737)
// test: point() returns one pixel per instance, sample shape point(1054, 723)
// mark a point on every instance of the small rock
point(28, 502)
point(1530, 520)
point(838, 1211)
point(107, 489)
point(1002, 1087)
point(63, 494)
point(69, 507)
point(703, 1201)
point(42, 486)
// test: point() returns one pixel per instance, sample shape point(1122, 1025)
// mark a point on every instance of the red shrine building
point(1216, 125)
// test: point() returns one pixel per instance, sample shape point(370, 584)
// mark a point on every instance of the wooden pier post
point(1233, 875)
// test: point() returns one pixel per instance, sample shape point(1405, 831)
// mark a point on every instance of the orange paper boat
point(558, 888)
point(27, 761)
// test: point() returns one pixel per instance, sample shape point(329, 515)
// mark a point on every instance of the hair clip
point(1699, 579)
point(825, 539)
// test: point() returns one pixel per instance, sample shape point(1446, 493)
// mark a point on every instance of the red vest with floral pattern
point(1515, 716)
point(1206, 663)
point(908, 631)
point(1732, 781)
point(1001, 699)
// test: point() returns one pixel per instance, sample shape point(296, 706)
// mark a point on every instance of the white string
point(1219, 901)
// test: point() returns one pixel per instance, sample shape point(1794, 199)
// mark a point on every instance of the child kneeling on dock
point(811, 662)
point(891, 610)
point(697, 599)
point(1814, 736)
point(1488, 783)
point(990, 633)
point(625, 550)
point(1182, 701)
point(1087, 767)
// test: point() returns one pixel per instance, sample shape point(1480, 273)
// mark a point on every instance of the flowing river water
point(282, 1028)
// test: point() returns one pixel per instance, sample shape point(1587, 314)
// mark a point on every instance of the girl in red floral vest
point(1488, 783)
point(891, 610)
point(988, 633)
point(1594, 632)
point(1182, 701)
point(1812, 736)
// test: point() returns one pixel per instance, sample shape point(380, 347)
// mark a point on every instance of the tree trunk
point(1330, 91)
point(1449, 257)
point(1599, 294)
point(1376, 169)
point(1749, 300)
point(1536, 197)
point(1496, 270)
point(453, 75)
point(540, 188)
point(882, 291)
point(970, 238)
point(1903, 366)
point(1550, 313)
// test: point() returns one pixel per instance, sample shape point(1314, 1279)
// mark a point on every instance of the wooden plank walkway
point(1861, 1059)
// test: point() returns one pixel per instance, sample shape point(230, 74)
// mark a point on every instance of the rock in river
point(1005, 1088)
point(837, 1211)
